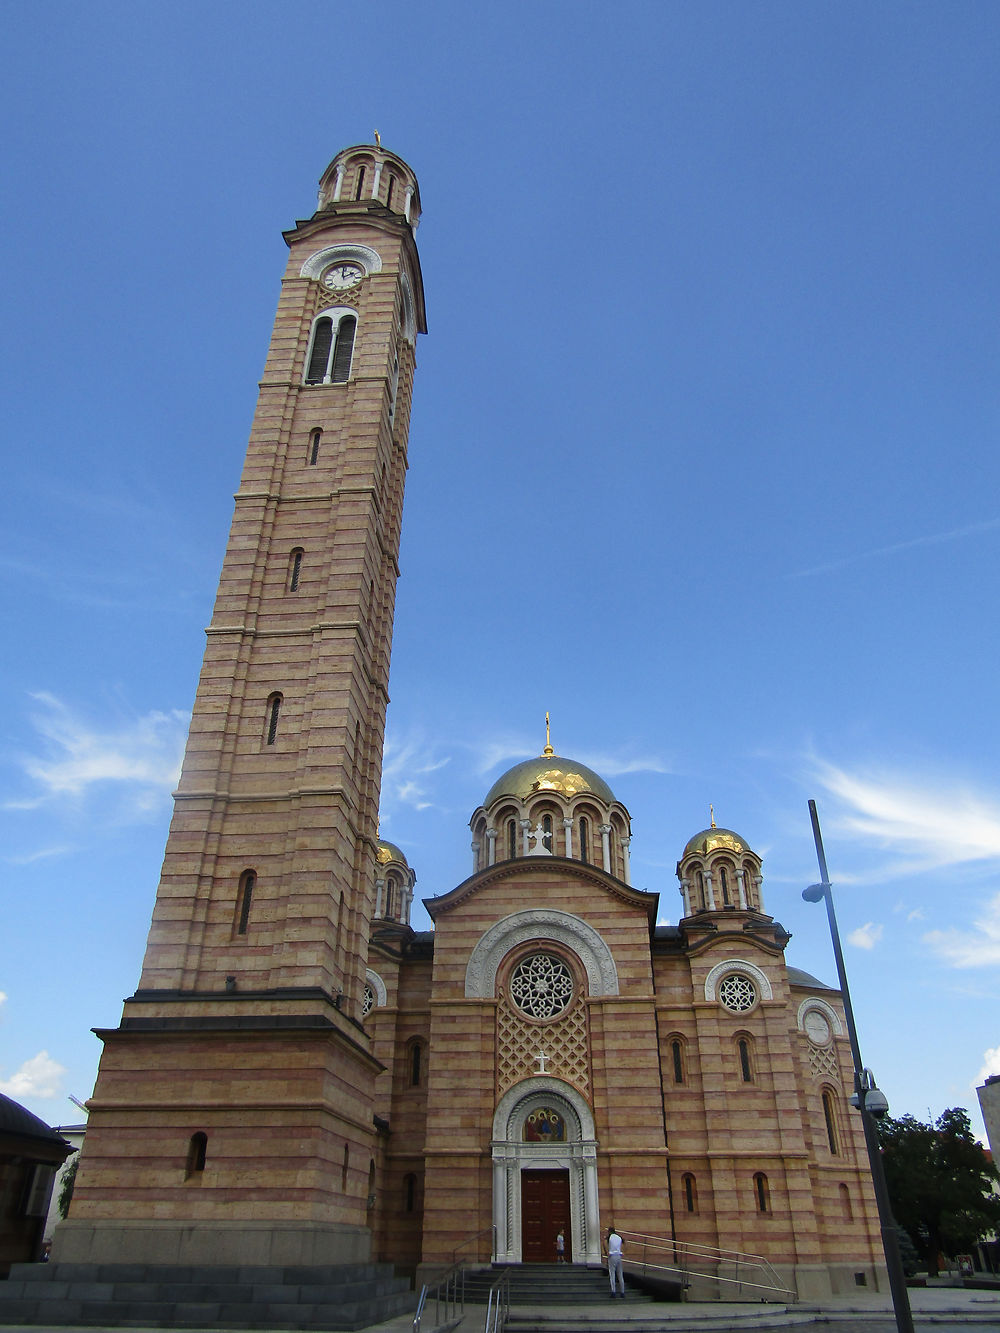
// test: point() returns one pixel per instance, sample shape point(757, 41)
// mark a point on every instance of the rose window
point(541, 986)
point(368, 1004)
point(737, 993)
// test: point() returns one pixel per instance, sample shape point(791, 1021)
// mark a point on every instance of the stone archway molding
point(737, 965)
point(576, 934)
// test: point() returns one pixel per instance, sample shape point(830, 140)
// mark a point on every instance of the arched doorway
point(545, 1174)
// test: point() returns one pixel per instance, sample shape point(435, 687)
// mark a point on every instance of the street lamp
point(868, 1099)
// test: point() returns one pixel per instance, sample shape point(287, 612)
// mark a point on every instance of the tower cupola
point(367, 174)
point(394, 883)
point(719, 872)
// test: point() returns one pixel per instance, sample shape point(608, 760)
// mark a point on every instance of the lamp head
point(814, 893)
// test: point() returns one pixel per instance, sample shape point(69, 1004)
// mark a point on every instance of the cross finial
point(378, 139)
point(711, 814)
point(548, 738)
point(540, 1059)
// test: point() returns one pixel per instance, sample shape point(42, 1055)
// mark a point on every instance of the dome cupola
point(394, 883)
point(369, 173)
point(552, 806)
point(719, 872)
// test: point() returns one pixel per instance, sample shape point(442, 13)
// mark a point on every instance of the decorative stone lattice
point(563, 1041)
point(368, 1004)
point(327, 300)
point(541, 986)
point(737, 993)
point(823, 1061)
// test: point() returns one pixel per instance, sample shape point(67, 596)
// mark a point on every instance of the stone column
point(525, 826)
point(709, 892)
point(605, 831)
point(475, 857)
point(376, 180)
point(409, 201)
point(379, 893)
point(626, 843)
point(568, 835)
point(499, 1209)
point(686, 896)
point(338, 185)
point(742, 889)
point(591, 1214)
point(491, 839)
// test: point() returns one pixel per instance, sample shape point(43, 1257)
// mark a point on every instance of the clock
point(343, 275)
point(816, 1027)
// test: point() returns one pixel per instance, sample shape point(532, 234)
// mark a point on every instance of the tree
point(940, 1182)
point(66, 1188)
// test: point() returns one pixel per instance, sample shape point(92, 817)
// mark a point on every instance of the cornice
point(532, 865)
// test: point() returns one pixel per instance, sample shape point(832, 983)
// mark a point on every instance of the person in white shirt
point(615, 1262)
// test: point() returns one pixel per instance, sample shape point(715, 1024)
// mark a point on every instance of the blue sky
point(703, 457)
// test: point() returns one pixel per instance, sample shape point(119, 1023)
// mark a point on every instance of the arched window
point(724, 883)
point(332, 348)
point(511, 839)
point(244, 900)
point(677, 1055)
point(699, 880)
point(393, 388)
point(745, 1054)
point(197, 1150)
point(690, 1192)
point(359, 188)
point(830, 1116)
point(390, 190)
point(749, 884)
point(273, 713)
point(845, 1203)
point(584, 839)
point(343, 1170)
point(547, 833)
point(416, 1063)
point(390, 896)
point(762, 1193)
point(314, 438)
point(295, 569)
point(409, 1193)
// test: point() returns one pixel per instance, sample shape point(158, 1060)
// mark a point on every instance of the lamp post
point(867, 1097)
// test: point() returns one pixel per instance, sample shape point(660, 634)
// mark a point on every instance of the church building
point(300, 1078)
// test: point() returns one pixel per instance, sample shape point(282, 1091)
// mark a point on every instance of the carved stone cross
point(540, 1058)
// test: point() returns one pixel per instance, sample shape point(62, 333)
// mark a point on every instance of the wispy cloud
point(407, 766)
point(866, 936)
point(142, 754)
point(971, 948)
point(930, 539)
point(41, 1076)
point(43, 854)
point(916, 821)
point(3, 998)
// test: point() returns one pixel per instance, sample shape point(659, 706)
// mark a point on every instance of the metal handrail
point(450, 1285)
point(498, 1306)
point(470, 1240)
point(710, 1255)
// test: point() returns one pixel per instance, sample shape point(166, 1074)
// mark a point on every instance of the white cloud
point(991, 1064)
point(3, 998)
point(866, 936)
point(929, 539)
point(971, 948)
point(41, 1076)
point(142, 754)
point(917, 821)
point(406, 768)
point(43, 854)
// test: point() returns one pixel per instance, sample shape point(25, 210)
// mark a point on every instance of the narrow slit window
point(314, 440)
point(343, 1172)
point(547, 833)
point(295, 569)
point(584, 839)
point(677, 1052)
point(273, 712)
point(762, 1193)
point(831, 1122)
point(416, 1059)
point(197, 1152)
point(746, 1068)
point(248, 881)
point(511, 839)
point(360, 189)
point(724, 882)
point(390, 190)
point(690, 1193)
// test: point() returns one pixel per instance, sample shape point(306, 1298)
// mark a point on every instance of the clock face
point(817, 1028)
point(342, 276)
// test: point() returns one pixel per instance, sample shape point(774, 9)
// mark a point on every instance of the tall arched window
point(762, 1193)
point(273, 713)
point(343, 1170)
point(699, 880)
point(690, 1192)
point(295, 569)
point(244, 900)
point(197, 1151)
point(745, 1054)
point(416, 1064)
point(314, 438)
point(584, 838)
point(390, 190)
point(830, 1116)
point(547, 833)
point(359, 189)
point(511, 839)
point(332, 348)
point(724, 884)
point(677, 1055)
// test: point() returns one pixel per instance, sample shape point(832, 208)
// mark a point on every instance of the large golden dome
point(711, 838)
point(549, 772)
point(388, 851)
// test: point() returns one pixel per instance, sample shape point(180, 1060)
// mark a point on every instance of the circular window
point(737, 993)
point(368, 1004)
point(541, 986)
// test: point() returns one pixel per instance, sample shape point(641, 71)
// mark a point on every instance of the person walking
point(615, 1262)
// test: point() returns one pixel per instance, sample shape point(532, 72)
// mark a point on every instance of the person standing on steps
point(615, 1262)
point(560, 1247)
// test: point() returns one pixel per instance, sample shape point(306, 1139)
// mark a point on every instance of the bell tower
point(232, 1117)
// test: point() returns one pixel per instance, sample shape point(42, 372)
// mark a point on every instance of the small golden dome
point(388, 851)
point(549, 772)
point(712, 838)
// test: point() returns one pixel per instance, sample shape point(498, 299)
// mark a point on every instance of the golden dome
point(549, 772)
point(708, 840)
point(388, 851)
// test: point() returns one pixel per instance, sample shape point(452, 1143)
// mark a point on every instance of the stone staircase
point(347, 1297)
point(550, 1284)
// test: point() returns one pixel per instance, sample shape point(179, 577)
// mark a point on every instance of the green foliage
point(66, 1188)
point(940, 1183)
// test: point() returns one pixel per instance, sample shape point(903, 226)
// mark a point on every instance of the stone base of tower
point(279, 1244)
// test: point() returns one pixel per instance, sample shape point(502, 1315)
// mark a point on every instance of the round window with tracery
point(541, 986)
point(368, 1004)
point(737, 993)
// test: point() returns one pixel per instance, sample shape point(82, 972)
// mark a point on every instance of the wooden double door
point(544, 1213)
